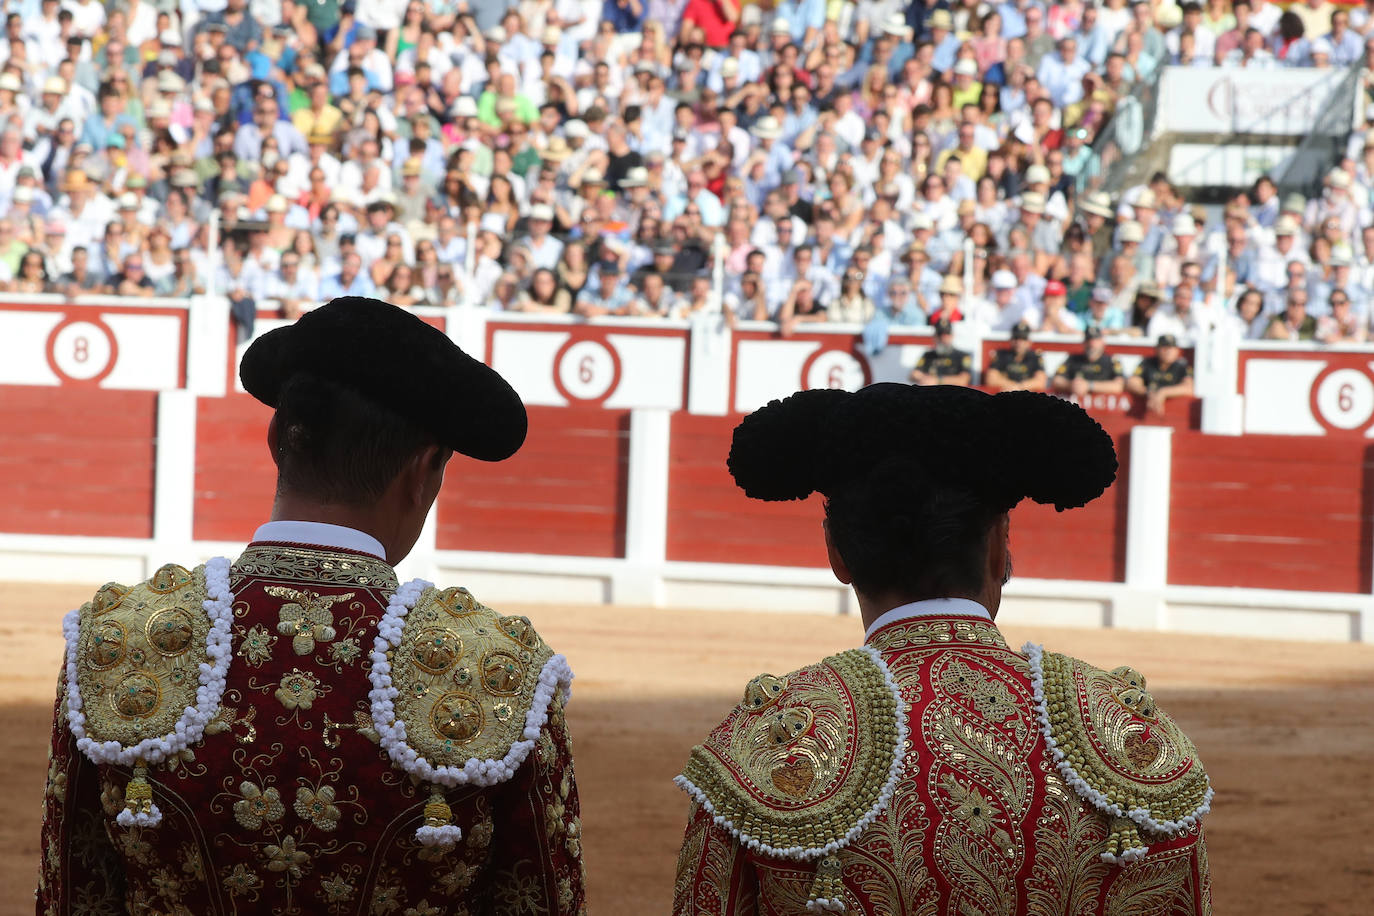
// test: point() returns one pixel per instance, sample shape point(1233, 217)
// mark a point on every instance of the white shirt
point(931, 607)
point(320, 534)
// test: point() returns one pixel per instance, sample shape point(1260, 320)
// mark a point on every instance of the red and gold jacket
point(935, 771)
point(296, 734)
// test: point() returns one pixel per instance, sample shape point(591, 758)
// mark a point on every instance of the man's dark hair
point(899, 533)
point(336, 446)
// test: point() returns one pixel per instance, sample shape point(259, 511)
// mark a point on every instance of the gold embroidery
point(299, 689)
point(1150, 888)
point(803, 771)
point(255, 645)
point(981, 780)
point(139, 653)
point(306, 617)
point(317, 806)
point(1121, 744)
point(285, 857)
point(257, 805)
point(1068, 872)
point(518, 892)
point(888, 865)
point(450, 714)
point(762, 690)
point(307, 565)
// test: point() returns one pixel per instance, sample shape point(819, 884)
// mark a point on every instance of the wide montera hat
point(391, 357)
point(1004, 448)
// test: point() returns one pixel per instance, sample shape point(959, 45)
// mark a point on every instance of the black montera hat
point(1003, 447)
point(1022, 331)
point(390, 356)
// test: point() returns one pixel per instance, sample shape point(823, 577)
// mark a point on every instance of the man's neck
point(294, 509)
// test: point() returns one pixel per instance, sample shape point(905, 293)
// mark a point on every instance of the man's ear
point(999, 548)
point(274, 441)
point(426, 472)
point(837, 564)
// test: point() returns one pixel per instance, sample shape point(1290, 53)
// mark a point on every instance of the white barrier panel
point(50, 341)
point(1286, 102)
point(1298, 390)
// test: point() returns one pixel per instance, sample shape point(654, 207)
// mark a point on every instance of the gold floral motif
point(519, 892)
point(57, 783)
point(465, 677)
point(257, 805)
point(335, 890)
point(166, 884)
point(804, 770)
point(386, 899)
point(298, 689)
point(255, 645)
point(139, 653)
point(458, 878)
point(422, 909)
point(306, 617)
point(285, 857)
point(345, 651)
point(323, 566)
point(242, 881)
point(192, 865)
point(317, 806)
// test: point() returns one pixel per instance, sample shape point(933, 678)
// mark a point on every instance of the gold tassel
point(437, 811)
point(827, 888)
point(139, 809)
point(1125, 844)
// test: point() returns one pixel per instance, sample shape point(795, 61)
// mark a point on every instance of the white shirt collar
point(931, 607)
point(320, 534)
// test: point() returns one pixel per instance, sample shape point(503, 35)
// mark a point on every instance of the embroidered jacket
point(935, 771)
point(293, 734)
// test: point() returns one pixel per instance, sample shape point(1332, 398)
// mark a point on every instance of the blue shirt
point(801, 15)
point(622, 16)
point(333, 286)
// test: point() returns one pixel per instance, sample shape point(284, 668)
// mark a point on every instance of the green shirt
point(486, 109)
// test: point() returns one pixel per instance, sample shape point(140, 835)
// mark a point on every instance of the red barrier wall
point(235, 476)
point(1271, 512)
point(77, 462)
point(1088, 543)
point(710, 520)
point(563, 492)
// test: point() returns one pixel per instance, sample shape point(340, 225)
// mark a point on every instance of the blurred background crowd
point(877, 162)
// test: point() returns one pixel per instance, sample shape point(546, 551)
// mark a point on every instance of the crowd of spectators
point(594, 157)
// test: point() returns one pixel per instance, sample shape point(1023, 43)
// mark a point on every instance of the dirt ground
point(1286, 731)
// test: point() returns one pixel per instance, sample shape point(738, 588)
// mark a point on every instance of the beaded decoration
point(804, 764)
point(140, 689)
point(459, 693)
point(1118, 751)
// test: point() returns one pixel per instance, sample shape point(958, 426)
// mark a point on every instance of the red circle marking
point(571, 342)
point(51, 350)
point(852, 350)
point(1317, 413)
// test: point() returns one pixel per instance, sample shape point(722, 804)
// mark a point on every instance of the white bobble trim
point(555, 678)
point(1035, 655)
point(444, 837)
point(805, 854)
point(190, 728)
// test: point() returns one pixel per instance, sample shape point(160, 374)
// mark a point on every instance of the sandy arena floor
point(1286, 730)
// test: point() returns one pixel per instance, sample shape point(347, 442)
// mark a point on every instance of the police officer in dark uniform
point(1092, 371)
point(1018, 367)
point(942, 364)
point(1162, 376)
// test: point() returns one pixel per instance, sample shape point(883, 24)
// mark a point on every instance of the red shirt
point(710, 15)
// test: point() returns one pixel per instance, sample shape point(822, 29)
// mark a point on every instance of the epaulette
point(1119, 751)
point(146, 670)
point(805, 762)
point(459, 693)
